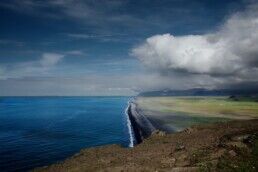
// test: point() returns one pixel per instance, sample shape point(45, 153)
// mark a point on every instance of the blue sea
point(38, 131)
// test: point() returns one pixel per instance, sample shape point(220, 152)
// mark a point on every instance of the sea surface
point(37, 131)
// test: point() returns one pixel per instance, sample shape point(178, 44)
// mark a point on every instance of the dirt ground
point(230, 146)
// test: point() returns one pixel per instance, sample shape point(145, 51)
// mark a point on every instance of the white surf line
point(129, 126)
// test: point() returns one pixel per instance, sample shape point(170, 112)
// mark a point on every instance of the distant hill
point(199, 92)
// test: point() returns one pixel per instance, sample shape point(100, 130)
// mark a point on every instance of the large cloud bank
point(230, 52)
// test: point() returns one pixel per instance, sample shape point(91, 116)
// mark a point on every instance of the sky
point(123, 47)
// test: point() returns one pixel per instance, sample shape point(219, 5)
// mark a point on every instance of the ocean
point(38, 131)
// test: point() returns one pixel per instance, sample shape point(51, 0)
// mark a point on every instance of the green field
point(182, 112)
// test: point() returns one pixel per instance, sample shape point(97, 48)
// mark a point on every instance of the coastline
point(199, 147)
point(142, 127)
point(131, 132)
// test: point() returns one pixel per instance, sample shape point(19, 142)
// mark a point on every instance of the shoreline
point(142, 127)
point(131, 132)
point(153, 150)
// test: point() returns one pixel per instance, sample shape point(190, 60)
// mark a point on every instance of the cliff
point(217, 147)
point(141, 125)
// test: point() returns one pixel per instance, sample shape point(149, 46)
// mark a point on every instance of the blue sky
point(76, 47)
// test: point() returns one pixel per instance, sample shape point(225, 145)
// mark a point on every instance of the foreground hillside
point(230, 146)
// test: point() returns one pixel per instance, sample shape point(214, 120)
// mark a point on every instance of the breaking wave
point(129, 125)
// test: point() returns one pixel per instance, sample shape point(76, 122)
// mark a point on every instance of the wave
point(129, 126)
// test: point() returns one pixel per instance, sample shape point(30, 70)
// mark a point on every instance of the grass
point(195, 121)
point(202, 106)
point(246, 161)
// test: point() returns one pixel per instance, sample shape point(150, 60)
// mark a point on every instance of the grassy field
point(172, 114)
point(243, 108)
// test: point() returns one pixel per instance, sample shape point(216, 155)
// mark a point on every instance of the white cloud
point(101, 13)
point(50, 59)
point(79, 86)
point(81, 36)
point(193, 53)
point(75, 52)
point(2, 73)
point(40, 67)
point(11, 42)
point(101, 37)
point(230, 51)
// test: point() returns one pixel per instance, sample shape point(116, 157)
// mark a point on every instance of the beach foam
point(129, 125)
